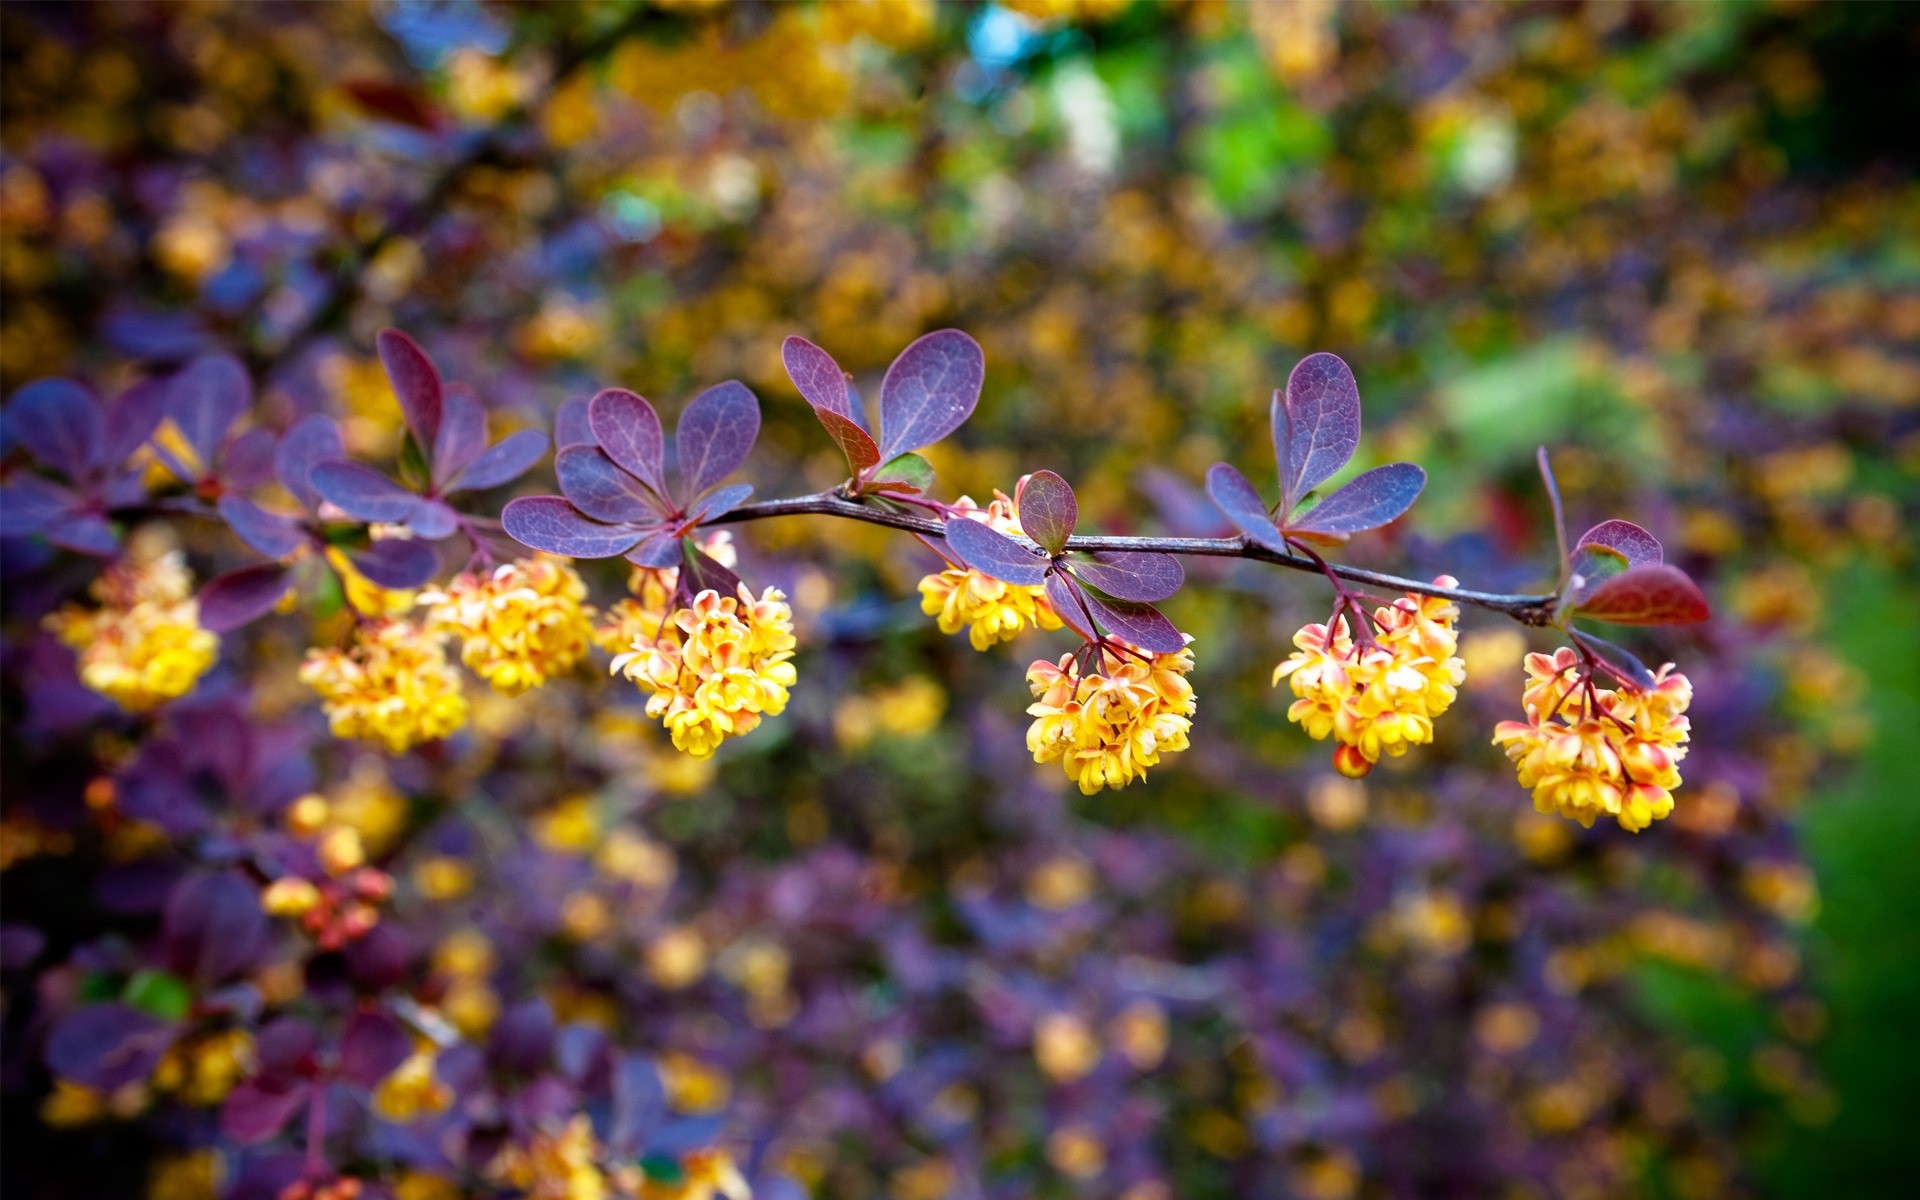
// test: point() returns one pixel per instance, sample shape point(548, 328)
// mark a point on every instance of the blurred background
point(1679, 244)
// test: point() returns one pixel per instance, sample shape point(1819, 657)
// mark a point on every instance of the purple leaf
point(397, 562)
point(1588, 567)
point(628, 429)
point(107, 1046)
point(132, 418)
point(1132, 575)
point(433, 520)
point(658, 550)
point(85, 533)
point(1048, 510)
point(30, 504)
point(247, 462)
point(599, 488)
point(257, 1109)
point(1635, 544)
point(856, 443)
point(503, 462)
point(284, 1045)
point(1064, 593)
point(714, 435)
point(314, 439)
point(523, 1039)
point(571, 426)
point(463, 435)
point(1617, 657)
point(59, 421)
point(231, 600)
point(929, 391)
point(268, 533)
point(360, 491)
point(1184, 508)
point(720, 502)
point(213, 928)
point(700, 572)
point(1654, 594)
point(551, 524)
point(207, 396)
point(1240, 503)
point(417, 384)
point(371, 1046)
point(1140, 624)
point(993, 553)
point(639, 1102)
point(1368, 501)
point(1316, 426)
point(821, 381)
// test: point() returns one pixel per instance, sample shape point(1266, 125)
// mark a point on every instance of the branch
point(1527, 609)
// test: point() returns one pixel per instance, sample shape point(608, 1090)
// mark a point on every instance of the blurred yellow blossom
point(394, 686)
point(144, 645)
point(519, 626)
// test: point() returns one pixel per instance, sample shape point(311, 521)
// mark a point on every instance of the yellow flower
point(412, 1090)
point(394, 686)
point(554, 1166)
point(144, 645)
point(519, 626)
point(1378, 699)
point(364, 596)
point(990, 611)
point(1588, 751)
point(646, 612)
point(716, 668)
point(1105, 728)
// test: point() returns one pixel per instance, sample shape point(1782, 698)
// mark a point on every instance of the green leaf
point(907, 473)
point(1592, 566)
point(159, 994)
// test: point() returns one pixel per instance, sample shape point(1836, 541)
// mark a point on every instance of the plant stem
point(1526, 609)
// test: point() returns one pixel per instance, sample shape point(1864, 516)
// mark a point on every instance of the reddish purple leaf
point(1316, 425)
point(314, 439)
point(1139, 624)
point(247, 461)
point(371, 1046)
point(628, 429)
point(257, 1109)
point(700, 572)
point(1635, 544)
point(599, 488)
point(30, 504)
point(107, 1046)
point(1240, 503)
point(417, 384)
point(658, 550)
point(523, 1038)
point(862, 452)
point(395, 102)
point(213, 928)
point(1617, 657)
point(993, 553)
point(1368, 501)
point(360, 491)
point(551, 524)
point(132, 418)
point(59, 421)
point(463, 435)
point(821, 381)
point(720, 502)
point(714, 435)
point(1065, 594)
point(397, 562)
point(85, 533)
point(503, 462)
point(207, 396)
point(1132, 575)
point(1588, 568)
point(929, 391)
point(1655, 594)
point(1048, 510)
point(231, 600)
point(284, 1045)
point(268, 533)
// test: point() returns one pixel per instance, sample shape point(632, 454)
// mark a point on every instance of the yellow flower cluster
point(1377, 699)
point(1106, 727)
point(412, 1090)
point(554, 1166)
point(989, 610)
point(519, 626)
point(393, 686)
point(716, 667)
point(1588, 751)
point(645, 612)
point(144, 645)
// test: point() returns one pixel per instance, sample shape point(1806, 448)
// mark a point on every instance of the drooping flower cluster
point(989, 610)
point(716, 667)
point(519, 626)
point(645, 610)
point(1589, 751)
point(1106, 727)
point(393, 686)
point(1377, 698)
point(144, 645)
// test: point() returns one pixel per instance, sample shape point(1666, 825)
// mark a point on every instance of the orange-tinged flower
point(1106, 727)
point(989, 610)
point(716, 668)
